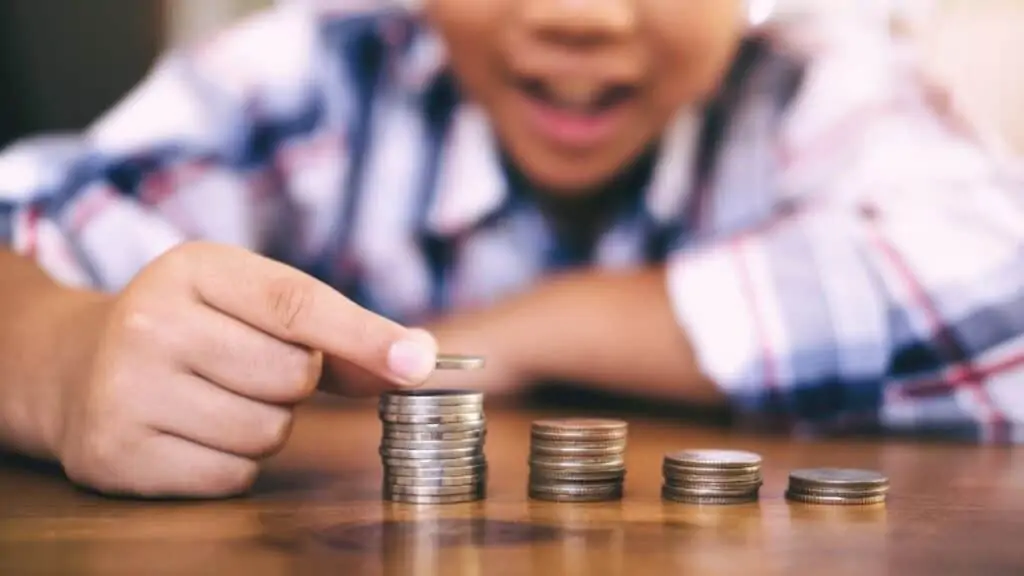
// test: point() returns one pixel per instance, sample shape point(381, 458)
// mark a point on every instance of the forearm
point(614, 331)
point(36, 354)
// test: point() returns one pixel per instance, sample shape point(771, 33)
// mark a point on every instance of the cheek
point(692, 54)
point(471, 30)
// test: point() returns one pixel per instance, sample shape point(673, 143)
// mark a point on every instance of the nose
point(579, 22)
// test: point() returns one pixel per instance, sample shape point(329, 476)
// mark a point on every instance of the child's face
point(578, 88)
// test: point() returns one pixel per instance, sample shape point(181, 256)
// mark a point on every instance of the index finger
point(295, 307)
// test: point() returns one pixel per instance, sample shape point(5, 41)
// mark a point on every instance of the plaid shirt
point(841, 250)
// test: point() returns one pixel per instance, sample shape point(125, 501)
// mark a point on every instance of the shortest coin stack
point(711, 477)
point(577, 460)
point(433, 446)
point(842, 486)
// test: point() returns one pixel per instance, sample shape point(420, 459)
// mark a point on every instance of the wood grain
point(953, 510)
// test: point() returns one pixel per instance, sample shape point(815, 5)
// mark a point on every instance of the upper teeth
point(575, 93)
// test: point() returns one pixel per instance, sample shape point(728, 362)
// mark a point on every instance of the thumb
point(414, 355)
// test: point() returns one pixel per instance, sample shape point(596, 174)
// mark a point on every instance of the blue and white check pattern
point(841, 251)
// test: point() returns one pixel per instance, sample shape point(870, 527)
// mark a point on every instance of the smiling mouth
point(574, 114)
point(577, 97)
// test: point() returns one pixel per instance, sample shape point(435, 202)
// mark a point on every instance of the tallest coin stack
point(432, 447)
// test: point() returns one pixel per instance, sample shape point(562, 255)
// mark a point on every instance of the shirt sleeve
point(893, 302)
point(191, 153)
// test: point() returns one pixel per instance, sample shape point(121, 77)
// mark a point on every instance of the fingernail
point(412, 359)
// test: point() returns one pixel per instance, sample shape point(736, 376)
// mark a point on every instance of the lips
point(578, 96)
point(574, 113)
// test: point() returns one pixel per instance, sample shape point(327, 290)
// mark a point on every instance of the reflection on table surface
point(953, 509)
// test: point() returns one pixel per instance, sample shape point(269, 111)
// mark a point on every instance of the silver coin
point(713, 487)
point(419, 409)
point(433, 464)
point(433, 490)
point(553, 460)
point(675, 470)
point(436, 472)
point(399, 427)
point(431, 410)
point(837, 477)
point(542, 475)
point(431, 500)
point(671, 475)
point(840, 492)
point(470, 418)
point(459, 362)
point(576, 493)
point(578, 428)
point(429, 454)
point(474, 436)
point(573, 450)
point(395, 428)
point(469, 480)
point(574, 498)
point(707, 500)
point(428, 409)
point(429, 397)
point(674, 476)
point(696, 491)
point(576, 487)
point(713, 459)
point(564, 465)
point(835, 500)
point(619, 443)
point(431, 444)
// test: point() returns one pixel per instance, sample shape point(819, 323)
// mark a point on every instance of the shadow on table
point(24, 463)
point(568, 398)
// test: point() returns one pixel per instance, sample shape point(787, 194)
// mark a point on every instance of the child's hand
point(197, 366)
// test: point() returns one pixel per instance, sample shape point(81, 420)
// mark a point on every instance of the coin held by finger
point(459, 362)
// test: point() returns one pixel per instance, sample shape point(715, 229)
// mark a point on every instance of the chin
point(569, 181)
point(568, 177)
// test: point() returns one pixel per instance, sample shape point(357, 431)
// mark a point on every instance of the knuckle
point(181, 259)
point(301, 373)
point(78, 471)
point(144, 327)
point(188, 250)
point(101, 448)
point(234, 478)
point(94, 461)
point(275, 430)
point(288, 300)
point(148, 315)
point(139, 322)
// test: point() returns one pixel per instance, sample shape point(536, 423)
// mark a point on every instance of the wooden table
point(317, 510)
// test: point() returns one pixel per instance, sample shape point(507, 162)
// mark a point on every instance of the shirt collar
point(672, 182)
point(423, 61)
point(471, 182)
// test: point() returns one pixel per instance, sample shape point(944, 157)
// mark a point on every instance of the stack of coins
point(841, 486)
point(711, 477)
point(577, 460)
point(432, 447)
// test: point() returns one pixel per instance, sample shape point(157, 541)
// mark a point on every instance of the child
point(657, 198)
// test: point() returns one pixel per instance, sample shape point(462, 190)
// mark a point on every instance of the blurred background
point(62, 62)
